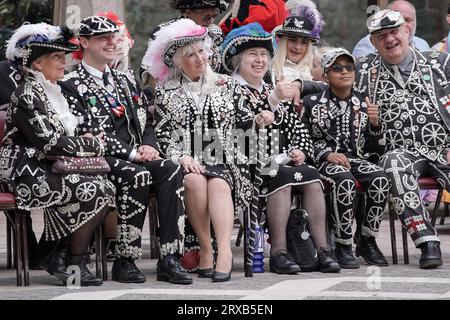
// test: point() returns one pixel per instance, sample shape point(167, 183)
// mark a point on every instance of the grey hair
point(209, 78)
point(237, 59)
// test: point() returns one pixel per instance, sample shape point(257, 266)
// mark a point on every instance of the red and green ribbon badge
point(93, 100)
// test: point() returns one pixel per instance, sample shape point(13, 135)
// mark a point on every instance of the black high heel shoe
point(222, 276)
point(205, 273)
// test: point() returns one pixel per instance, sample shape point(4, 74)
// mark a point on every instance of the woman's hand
point(298, 157)
point(190, 165)
point(264, 118)
point(284, 89)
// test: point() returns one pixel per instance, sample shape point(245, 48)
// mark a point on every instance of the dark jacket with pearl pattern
point(89, 100)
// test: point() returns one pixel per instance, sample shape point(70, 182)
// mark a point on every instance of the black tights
point(78, 241)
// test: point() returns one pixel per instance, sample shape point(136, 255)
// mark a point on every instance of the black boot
point(368, 249)
point(87, 278)
point(326, 263)
point(56, 262)
point(431, 255)
point(282, 263)
point(170, 270)
point(344, 256)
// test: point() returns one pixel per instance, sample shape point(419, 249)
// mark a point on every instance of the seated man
point(342, 128)
point(408, 11)
point(413, 93)
point(109, 102)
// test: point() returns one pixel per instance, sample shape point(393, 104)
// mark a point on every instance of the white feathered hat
point(31, 41)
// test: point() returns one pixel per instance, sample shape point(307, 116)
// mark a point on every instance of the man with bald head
point(408, 11)
point(412, 92)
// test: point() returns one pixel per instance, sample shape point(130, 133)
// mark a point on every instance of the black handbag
point(300, 245)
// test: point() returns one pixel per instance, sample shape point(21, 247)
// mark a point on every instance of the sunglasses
point(338, 68)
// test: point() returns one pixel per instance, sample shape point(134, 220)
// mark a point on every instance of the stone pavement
point(393, 282)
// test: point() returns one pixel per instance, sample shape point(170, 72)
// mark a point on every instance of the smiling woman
point(294, 56)
point(40, 126)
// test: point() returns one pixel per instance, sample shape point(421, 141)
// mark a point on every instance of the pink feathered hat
point(158, 58)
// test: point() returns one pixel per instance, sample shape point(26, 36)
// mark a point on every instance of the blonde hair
point(281, 55)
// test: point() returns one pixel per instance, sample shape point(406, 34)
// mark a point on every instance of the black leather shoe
point(431, 255)
point(87, 278)
point(368, 249)
point(326, 263)
point(282, 263)
point(125, 270)
point(205, 273)
point(170, 270)
point(344, 256)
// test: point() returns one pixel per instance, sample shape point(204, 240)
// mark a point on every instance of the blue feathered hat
point(249, 36)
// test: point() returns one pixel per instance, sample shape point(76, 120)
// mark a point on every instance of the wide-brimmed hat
point(96, 25)
point(158, 58)
point(222, 5)
point(385, 19)
point(330, 57)
point(31, 41)
point(249, 36)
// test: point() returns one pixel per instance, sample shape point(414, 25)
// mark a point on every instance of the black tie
point(105, 78)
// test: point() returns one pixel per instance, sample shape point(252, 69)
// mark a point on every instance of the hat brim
point(325, 68)
point(241, 44)
point(39, 49)
point(291, 33)
point(385, 28)
point(174, 45)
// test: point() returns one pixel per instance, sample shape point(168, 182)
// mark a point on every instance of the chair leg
point(9, 235)
point(239, 236)
point(103, 253)
point(248, 267)
point(153, 226)
point(18, 250)
point(26, 271)
point(98, 238)
point(444, 214)
point(436, 207)
point(393, 239)
point(405, 246)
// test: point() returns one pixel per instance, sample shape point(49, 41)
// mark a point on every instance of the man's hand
point(448, 157)
point(191, 165)
point(147, 153)
point(339, 158)
point(298, 157)
point(373, 112)
point(265, 118)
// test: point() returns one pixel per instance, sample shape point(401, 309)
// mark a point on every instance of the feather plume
point(153, 59)
point(308, 11)
point(41, 32)
point(294, 5)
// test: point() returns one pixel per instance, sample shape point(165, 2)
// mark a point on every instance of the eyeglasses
point(338, 68)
